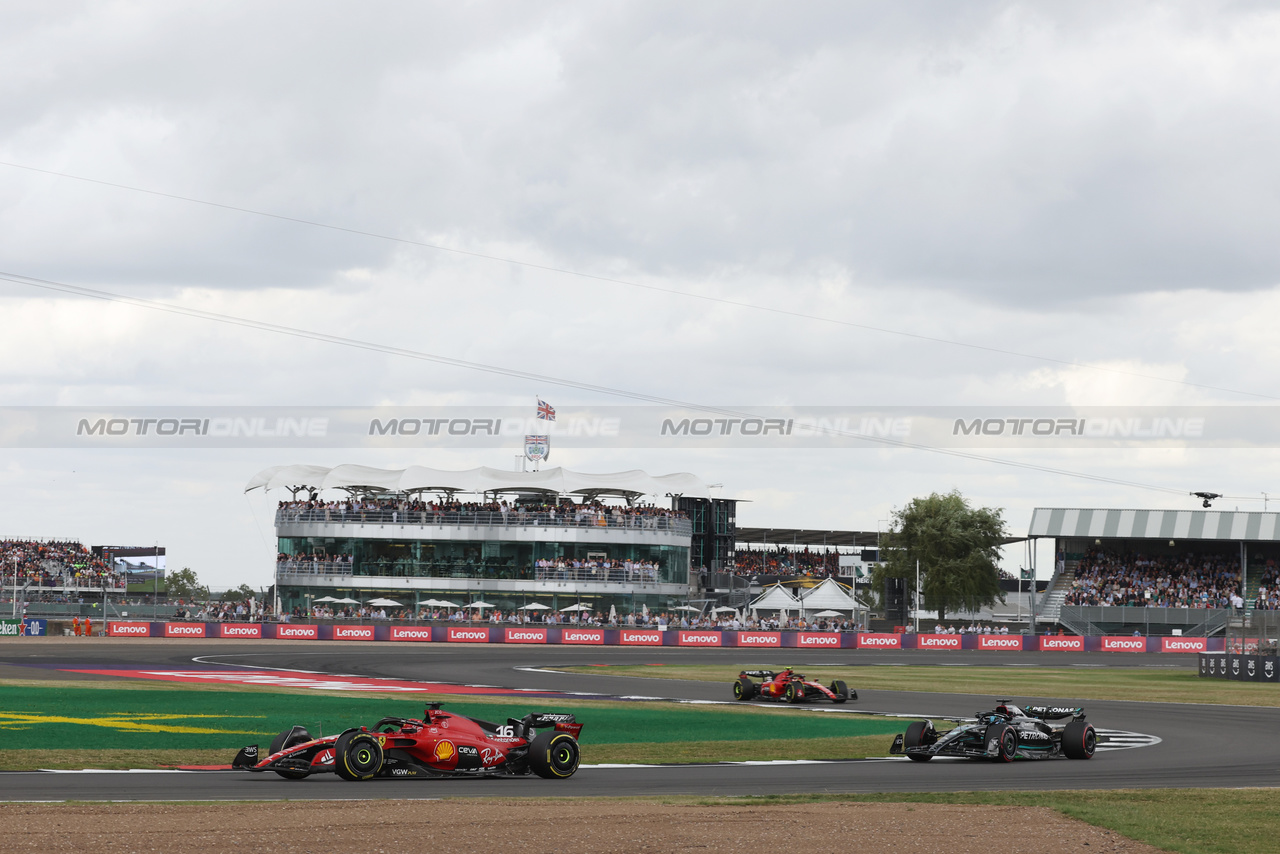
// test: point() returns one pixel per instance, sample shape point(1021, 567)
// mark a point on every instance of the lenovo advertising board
point(686, 638)
point(422, 634)
point(184, 630)
point(869, 640)
point(640, 637)
point(296, 631)
point(937, 641)
point(360, 633)
point(591, 636)
point(995, 642)
point(529, 635)
point(766, 640)
point(458, 634)
point(240, 630)
point(1123, 644)
point(1061, 643)
point(1183, 645)
point(128, 630)
point(818, 640)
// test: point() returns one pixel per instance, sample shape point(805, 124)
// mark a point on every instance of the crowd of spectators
point(1268, 597)
point(408, 510)
point(783, 561)
point(55, 565)
point(1137, 580)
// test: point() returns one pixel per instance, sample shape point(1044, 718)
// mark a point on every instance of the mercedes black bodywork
point(1003, 734)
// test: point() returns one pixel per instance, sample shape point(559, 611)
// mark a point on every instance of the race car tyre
point(841, 691)
point(357, 756)
point(1007, 738)
point(915, 738)
point(744, 689)
point(554, 755)
point(1079, 740)
point(279, 743)
point(793, 693)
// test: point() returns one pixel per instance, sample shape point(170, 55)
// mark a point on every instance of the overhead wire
point(373, 346)
point(595, 277)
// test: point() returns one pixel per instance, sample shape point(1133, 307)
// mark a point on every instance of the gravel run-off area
point(546, 827)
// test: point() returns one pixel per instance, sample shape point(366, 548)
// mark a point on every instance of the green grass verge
point(1084, 683)
point(43, 725)
point(1194, 821)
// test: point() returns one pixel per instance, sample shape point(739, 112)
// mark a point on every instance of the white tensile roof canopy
point(477, 481)
point(776, 598)
point(830, 595)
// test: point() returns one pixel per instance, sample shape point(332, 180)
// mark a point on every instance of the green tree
point(239, 594)
point(185, 584)
point(957, 546)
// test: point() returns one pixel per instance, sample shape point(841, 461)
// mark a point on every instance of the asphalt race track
point(1200, 746)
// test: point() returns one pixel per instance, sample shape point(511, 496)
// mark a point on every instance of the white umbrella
point(440, 603)
point(534, 606)
point(828, 614)
point(724, 608)
point(345, 602)
point(384, 603)
point(613, 614)
point(576, 608)
point(480, 605)
point(326, 599)
point(687, 608)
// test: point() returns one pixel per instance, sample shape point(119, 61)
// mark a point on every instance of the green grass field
point(1078, 683)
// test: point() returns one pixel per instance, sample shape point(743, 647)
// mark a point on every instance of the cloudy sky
point(1088, 182)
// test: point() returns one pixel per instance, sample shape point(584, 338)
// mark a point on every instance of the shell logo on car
point(444, 750)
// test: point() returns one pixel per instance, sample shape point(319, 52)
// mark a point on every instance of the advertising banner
point(686, 638)
point(1183, 645)
point(35, 628)
point(361, 633)
point(937, 641)
point(1129, 644)
point(184, 630)
point(10, 628)
point(411, 633)
point(760, 639)
point(239, 630)
point(879, 641)
point(128, 630)
point(818, 640)
point(460, 635)
point(1061, 643)
point(514, 635)
point(592, 636)
point(295, 631)
point(1005, 642)
point(640, 637)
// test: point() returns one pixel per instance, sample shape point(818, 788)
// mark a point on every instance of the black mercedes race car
point(1005, 733)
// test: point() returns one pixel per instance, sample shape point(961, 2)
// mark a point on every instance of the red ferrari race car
point(442, 744)
point(788, 687)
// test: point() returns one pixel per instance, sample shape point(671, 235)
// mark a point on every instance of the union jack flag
point(546, 411)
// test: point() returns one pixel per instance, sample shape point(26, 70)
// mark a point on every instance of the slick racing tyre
point(743, 689)
point(1079, 740)
point(793, 693)
point(1006, 741)
point(841, 691)
point(915, 738)
point(280, 742)
point(357, 756)
point(554, 755)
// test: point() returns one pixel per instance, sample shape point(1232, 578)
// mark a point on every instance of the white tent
point(827, 596)
point(776, 598)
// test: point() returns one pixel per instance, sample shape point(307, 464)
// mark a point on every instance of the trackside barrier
point(688, 638)
point(1242, 668)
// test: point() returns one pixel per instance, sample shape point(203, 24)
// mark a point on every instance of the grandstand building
point(548, 539)
point(1158, 571)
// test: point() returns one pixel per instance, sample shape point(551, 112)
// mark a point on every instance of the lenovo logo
point(1183, 645)
point(302, 632)
point(469, 635)
point(993, 642)
point(353, 632)
point(402, 633)
point(241, 631)
point(580, 636)
point(880, 641)
point(700, 638)
point(184, 630)
point(127, 629)
point(1125, 644)
point(766, 639)
point(937, 642)
point(807, 639)
point(647, 638)
point(1067, 644)
point(526, 635)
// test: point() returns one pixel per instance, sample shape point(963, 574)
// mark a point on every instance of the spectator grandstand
point(783, 561)
point(403, 509)
point(1134, 579)
point(55, 565)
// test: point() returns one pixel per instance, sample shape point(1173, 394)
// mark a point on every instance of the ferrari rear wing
point(759, 674)
point(540, 720)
